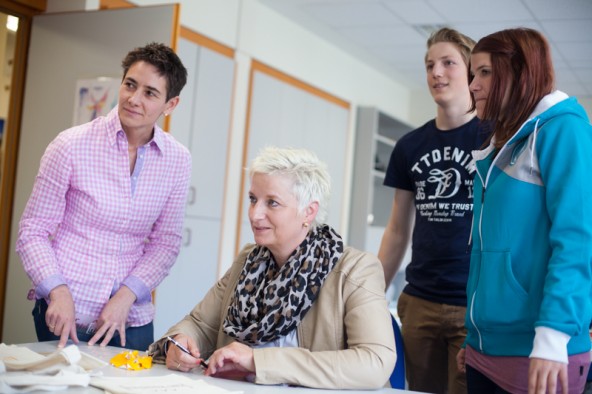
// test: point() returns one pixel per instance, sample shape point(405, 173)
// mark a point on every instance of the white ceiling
point(390, 34)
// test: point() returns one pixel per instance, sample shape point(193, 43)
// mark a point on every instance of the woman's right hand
point(178, 360)
point(61, 316)
point(460, 361)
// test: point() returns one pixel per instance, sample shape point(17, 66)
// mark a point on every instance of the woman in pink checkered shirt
point(102, 227)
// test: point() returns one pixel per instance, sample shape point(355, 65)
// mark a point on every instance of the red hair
point(521, 66)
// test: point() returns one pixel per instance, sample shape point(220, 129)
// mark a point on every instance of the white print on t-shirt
point(447, 182)
point(442, 172)
point(447, 153)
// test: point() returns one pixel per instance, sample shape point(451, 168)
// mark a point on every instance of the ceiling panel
point(415, 12)
point(391, 34)
point(383, 35)
point(554, 9)
point(352, 14)
point(481, 11)
point(563, 30)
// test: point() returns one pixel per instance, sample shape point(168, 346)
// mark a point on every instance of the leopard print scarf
point(269, 302)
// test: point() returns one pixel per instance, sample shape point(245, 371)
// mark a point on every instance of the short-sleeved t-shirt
point(437, 166)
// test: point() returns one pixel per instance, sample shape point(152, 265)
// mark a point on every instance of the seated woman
point(298, 307)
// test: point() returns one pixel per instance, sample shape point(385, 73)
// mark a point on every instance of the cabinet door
point(182, 117)
point(202, 123)
point(193, 274)
point(211, 126)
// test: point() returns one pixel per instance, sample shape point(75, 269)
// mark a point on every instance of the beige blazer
point(345, 340)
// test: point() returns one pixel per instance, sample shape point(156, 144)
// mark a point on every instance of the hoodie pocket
point(500, 302)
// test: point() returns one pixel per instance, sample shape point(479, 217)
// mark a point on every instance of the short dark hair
point(166, 62)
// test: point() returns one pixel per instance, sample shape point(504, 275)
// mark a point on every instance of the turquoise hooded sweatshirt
point(531, 258)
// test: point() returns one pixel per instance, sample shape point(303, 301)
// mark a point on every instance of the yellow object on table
point(130, 360)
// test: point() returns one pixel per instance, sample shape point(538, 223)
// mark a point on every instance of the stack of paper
point(23, 370)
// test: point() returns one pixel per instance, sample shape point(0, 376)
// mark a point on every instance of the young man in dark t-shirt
point(431, 169)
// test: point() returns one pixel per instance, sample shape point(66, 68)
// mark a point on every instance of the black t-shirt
point(437, 166)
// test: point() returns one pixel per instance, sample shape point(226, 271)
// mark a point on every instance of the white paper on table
point(157, 384)
point(20, 382)
point(23, 370)
point(19, 358)
point(15, 358)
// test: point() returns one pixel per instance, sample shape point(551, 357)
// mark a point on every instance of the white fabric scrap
point(23, 370)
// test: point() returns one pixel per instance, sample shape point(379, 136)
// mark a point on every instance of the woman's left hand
point(545, 375)
point(113, 317)
point(232, 361)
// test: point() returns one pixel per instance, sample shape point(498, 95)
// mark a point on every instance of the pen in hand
point(184, 350)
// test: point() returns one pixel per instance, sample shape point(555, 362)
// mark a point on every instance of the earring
point(165, 114)
point(304, 224)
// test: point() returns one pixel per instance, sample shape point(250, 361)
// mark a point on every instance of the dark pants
point(479, 383)
point(433, 334)
point(137, 338)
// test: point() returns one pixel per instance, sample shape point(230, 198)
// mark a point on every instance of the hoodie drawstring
point(535, 133)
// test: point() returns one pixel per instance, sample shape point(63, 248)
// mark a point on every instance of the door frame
point(24, 10)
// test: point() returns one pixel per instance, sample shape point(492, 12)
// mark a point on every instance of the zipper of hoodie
point(484, 183)
point(481, 245)
point(470, 243)
point(475, 324)
point(481, 215)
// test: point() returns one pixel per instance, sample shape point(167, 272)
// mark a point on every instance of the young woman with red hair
point(529, 302)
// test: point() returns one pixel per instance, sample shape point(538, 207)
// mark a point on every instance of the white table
point(105, 353)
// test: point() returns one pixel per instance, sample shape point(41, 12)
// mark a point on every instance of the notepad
point(171, 383)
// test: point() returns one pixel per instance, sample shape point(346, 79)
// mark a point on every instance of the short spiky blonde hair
point(311, 180)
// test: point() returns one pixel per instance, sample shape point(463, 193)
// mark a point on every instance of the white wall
point(587, 104)
point(422, 108)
